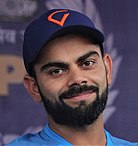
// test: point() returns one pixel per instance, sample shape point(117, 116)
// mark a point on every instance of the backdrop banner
point(19, 114)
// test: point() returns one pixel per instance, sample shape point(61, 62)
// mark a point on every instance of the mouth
point(79, 93)
point(80, 97)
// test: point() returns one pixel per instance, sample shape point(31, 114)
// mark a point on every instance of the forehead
point(67, 46)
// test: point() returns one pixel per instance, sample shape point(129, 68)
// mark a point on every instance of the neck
point(90, 135)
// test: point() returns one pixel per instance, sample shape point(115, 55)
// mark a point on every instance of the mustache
point(77, 90)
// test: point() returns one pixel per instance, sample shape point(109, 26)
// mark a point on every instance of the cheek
point(102, 83)
point(50, 89)
point(99, 77)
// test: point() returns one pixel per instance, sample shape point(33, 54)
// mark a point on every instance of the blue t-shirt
point(47, 137)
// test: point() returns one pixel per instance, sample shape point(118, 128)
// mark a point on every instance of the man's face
point(73, 79)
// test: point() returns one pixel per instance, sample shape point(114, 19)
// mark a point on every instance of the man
point(69, 72)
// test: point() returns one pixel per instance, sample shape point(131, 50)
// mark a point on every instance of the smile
point(80, 97)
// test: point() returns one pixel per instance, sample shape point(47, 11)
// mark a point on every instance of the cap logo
point(58, 22)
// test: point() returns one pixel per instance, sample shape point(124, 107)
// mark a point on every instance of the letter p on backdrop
point(11, 72)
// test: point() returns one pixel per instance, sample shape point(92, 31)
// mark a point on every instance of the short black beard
point(80, 116)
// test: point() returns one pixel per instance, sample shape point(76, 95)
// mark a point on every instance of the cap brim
point(94, 33)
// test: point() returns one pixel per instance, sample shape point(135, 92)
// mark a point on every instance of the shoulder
point(46, 137)
point(26, 140)
point(121, 142)
point(31, 140)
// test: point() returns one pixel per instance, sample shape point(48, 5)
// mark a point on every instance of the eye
point(88, 63)
point(57, 71)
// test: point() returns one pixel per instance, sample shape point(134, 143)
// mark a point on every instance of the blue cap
point(52, 24)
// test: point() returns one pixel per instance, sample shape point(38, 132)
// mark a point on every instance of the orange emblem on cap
point(63, 19)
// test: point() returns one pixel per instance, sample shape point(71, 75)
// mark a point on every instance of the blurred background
point(19, 114)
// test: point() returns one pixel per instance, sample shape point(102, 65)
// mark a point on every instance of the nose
point(77, 77)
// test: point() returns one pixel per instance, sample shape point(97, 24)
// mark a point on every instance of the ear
point(31, 86)
point(108, 66)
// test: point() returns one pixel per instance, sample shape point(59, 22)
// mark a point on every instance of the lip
point(80, 97)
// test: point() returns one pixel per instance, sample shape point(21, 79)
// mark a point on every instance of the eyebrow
point(61, 64)
point(54, 64)
point(87, 55)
